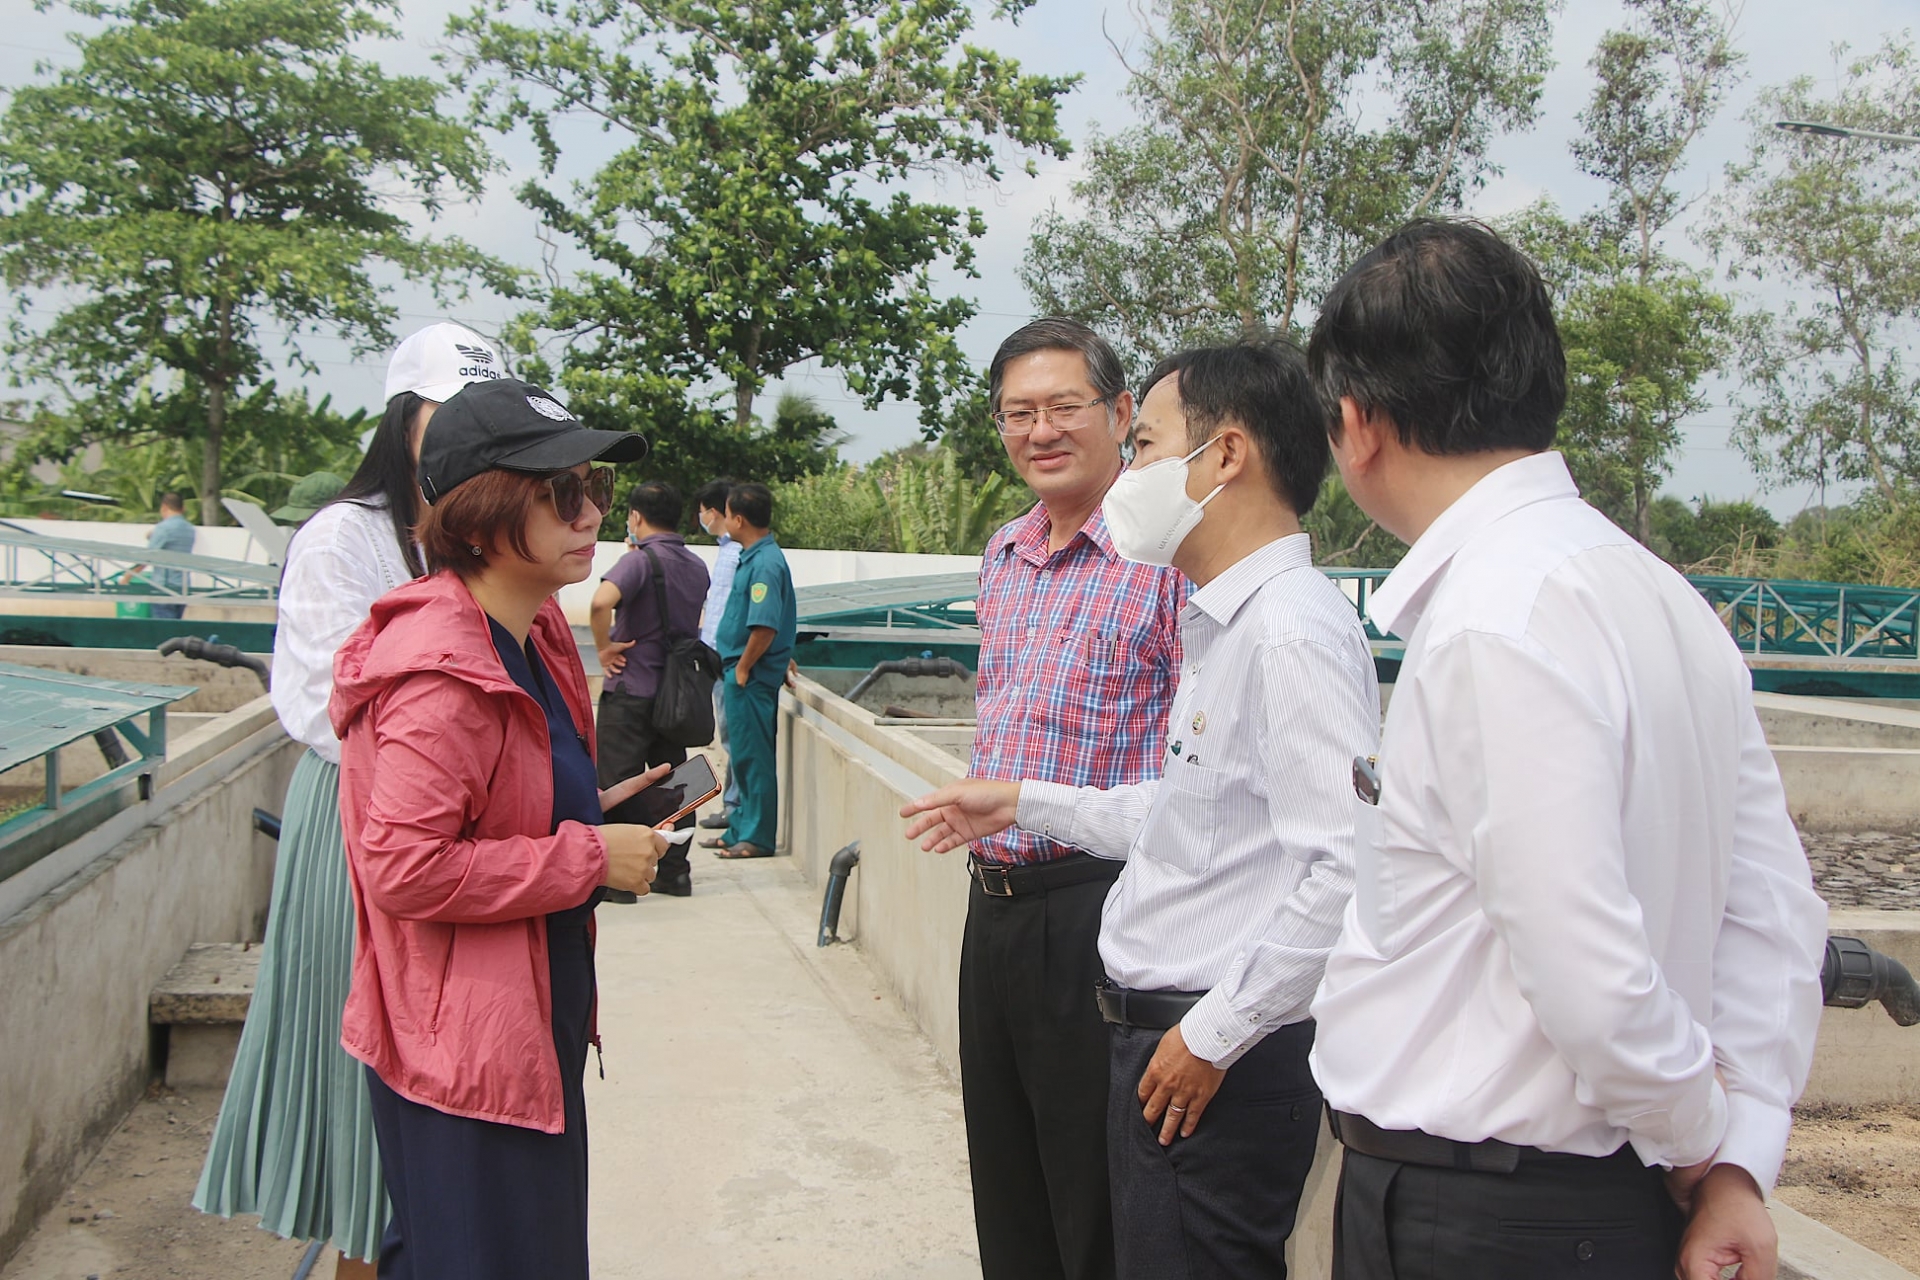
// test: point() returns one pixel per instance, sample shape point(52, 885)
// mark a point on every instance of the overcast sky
point(1781, 39)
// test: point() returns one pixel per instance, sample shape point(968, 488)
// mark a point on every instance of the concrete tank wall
point(86, 932)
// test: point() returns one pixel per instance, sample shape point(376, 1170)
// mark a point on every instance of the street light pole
point(1842, 131)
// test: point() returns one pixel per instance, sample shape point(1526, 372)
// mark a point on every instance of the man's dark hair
point(171, 502)
point(1057, 333)
point(657, 502)
point(712, 496)
point(752, 503)
point(1446, 329)
point(1264, 387)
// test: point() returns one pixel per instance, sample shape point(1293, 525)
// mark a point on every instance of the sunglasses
point(571, 490)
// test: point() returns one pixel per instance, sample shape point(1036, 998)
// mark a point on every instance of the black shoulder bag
point(683, 704)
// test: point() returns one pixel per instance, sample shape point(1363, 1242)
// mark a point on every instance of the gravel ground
point(1857, 1169)
point(1866, 869)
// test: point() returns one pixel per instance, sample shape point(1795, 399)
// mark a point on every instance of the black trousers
point(628, 746)
point(1220, 1204)
point(1033, 1076)
point(1555, 1217)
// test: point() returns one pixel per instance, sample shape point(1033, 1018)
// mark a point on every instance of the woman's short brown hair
point(490, 508)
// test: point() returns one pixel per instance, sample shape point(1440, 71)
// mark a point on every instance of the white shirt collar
point(1221, 599)
point(1395, 605)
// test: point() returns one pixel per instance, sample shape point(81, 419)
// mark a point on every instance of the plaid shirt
point(1079, 656)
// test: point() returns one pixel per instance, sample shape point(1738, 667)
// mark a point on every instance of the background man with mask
point(1584, 943)
point(710, 507)
point(1239, 860)
point(1077, 658)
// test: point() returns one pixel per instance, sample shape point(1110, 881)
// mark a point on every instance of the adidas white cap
point(437, 361)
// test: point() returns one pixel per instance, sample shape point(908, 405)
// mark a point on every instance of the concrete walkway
point(768, 1112)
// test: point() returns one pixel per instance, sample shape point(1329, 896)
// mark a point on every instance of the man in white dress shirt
point(1584, 950)
point(1239, 858)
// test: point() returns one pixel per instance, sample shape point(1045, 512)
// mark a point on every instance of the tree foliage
point(1642, 329)
point(752, 211)
point(1641, 336)
point(1280, 138)
point(799, 441)
point(1829, 390)
point(210, 171)
point(919, 500)
point(276, 438)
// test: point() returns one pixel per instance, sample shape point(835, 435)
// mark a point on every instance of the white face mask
point(1148, 511)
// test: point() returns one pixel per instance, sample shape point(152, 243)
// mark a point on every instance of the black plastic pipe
point(225, 655)
point(1855, 975)
point(266, 824)
point(837, 872)
point(909, 667)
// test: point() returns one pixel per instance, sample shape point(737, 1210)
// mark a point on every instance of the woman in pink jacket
point(473, 829)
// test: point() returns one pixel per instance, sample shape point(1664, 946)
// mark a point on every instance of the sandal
point(744, 850)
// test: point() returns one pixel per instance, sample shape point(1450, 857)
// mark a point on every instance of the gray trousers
point(1220, 1204)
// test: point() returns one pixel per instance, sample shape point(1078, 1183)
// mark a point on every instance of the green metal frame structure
point(1816, 619)
point(42, 711)
point(36, 565)
point(1812, 638)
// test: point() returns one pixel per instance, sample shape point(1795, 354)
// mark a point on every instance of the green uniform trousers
point(752, 714)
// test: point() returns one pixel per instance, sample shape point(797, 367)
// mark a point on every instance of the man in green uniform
point(755, 641)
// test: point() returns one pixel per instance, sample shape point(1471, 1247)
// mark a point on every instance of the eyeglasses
point(1062, 417)
point(571, 490)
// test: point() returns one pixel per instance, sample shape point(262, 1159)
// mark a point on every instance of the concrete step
point(202, 1003)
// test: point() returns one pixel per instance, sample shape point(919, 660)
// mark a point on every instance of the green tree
point(1642, 330)
point(275, 439)
point(1711, 535)
point(937, 508)
point(1640, 338)
point(1268, 158)
point(212, 169)
point(753, 211)
point(1343, 535)
point(840, 509)
point(1829, 391)
point(800, 441)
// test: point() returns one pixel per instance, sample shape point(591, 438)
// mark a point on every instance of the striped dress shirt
point(1240, 858)
point(1078, 650)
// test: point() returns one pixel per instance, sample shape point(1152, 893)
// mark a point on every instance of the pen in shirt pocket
point(1103, 647)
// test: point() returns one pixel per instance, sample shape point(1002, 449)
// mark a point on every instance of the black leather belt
point(1412, 1146)
point(1155, 1010)
point(1009, 880)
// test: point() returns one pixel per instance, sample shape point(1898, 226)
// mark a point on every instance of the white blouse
point(340, 562)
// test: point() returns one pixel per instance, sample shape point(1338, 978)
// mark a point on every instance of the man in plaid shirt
point(1079, 656)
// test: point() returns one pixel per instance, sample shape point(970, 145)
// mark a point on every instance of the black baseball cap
point(509, 424)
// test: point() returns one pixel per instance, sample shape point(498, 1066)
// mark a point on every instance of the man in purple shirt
point(632, 638)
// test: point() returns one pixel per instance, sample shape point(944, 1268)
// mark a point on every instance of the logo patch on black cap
point(549, 409)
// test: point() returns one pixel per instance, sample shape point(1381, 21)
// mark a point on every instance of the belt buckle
point(989, 874)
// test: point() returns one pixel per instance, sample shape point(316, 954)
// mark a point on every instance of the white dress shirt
point(1580, 892)
point(340, 562)
point(1240, 856)
point(718, 585)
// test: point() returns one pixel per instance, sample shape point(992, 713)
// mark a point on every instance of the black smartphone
point(679, 793)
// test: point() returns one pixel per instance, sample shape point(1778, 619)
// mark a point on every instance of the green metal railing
point(1816, 619)
point(1780, 619)
point(35, 564)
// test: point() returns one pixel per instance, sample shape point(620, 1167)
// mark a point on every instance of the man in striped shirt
point(1077, 658)
point(1239, 860)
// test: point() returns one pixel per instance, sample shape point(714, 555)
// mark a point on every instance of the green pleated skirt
point(294, 1142)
